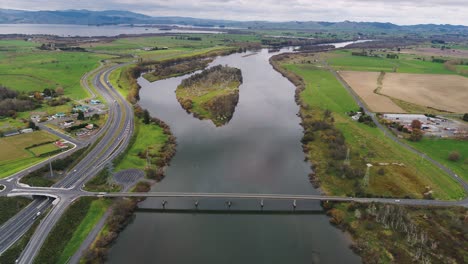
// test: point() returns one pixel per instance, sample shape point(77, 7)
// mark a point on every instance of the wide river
point(258, 151)
point(64, 30)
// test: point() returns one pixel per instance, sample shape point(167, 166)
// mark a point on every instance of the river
point(64, 30)
point(258, 151)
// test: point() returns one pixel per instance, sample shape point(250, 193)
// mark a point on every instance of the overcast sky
point(401, 12)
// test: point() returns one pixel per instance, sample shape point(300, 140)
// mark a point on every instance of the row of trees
point(214, 75)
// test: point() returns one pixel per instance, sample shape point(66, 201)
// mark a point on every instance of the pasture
point(322, 92)
point(14, 156)
point(28, 70)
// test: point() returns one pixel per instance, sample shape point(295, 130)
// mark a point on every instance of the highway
point(114, 138)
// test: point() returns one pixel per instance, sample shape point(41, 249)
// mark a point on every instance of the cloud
point(395, 11)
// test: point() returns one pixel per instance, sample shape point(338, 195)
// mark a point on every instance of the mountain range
point(86, 17)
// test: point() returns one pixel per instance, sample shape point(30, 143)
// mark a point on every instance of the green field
point(43, 149)
point(95, 213)
point(439, 149)
point(146, 137)
point(323, 91)
point(343, 60)
point(24, 68)
point(14, 157)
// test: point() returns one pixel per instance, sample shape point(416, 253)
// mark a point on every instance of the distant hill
point(86, 17)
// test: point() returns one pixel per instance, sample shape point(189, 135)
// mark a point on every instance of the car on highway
point(36, 215)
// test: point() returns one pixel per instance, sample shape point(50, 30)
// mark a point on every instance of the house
point(95, 102)
point(60, 144)
point(26, 130)
point(11, 133)
point(90, 127)
point(68, 123)
point(59, 115)
point(82, 108)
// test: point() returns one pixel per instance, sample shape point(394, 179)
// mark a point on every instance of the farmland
point(365, 84)
point(14, 156)
point(444, 92)
point(322, 92)
point(343, 60)
point(436, 91)
point(28, 70)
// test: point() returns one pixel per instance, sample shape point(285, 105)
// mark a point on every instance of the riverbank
point(339, 150)
point(212, 94)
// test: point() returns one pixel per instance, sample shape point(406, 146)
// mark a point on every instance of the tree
point(81, 115)
point(95, 117)
point(32, 125)
point(59, 90)
point(465, 117)
point(416, 124)
point(146, 117)
point(47, 92)
point(454, 156)
point(416, 135)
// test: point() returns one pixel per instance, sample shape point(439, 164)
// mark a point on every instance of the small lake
point(258, 151)
point(62, 30)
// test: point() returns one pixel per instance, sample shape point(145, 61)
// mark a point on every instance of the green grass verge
point(143, 141)
point(440, 149)
point(322, 92)
point(64, 230)
point(102, 183)
point(11, 206)
point(94, 214)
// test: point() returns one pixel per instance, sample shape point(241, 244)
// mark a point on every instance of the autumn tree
point(59, 90)
point(416, 124)
point(416, 135)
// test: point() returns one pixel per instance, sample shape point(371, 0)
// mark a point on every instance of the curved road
point(116, 134)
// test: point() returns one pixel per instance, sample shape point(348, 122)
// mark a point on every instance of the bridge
point(188, 201)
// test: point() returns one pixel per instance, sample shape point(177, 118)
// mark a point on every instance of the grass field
point(343, 60)
point(14, 157)
point(43, 149)
point(94, 214)
point(147, 136)
point(439, 149)
point(24, 68)
point(323, 91)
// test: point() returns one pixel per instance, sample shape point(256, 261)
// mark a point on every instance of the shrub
point(454, 156)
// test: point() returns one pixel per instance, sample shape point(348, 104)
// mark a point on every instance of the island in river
point(212, 94)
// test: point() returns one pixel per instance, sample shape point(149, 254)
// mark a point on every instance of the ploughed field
point(437, 91)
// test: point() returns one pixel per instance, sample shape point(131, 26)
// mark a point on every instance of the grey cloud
point(396, 11)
